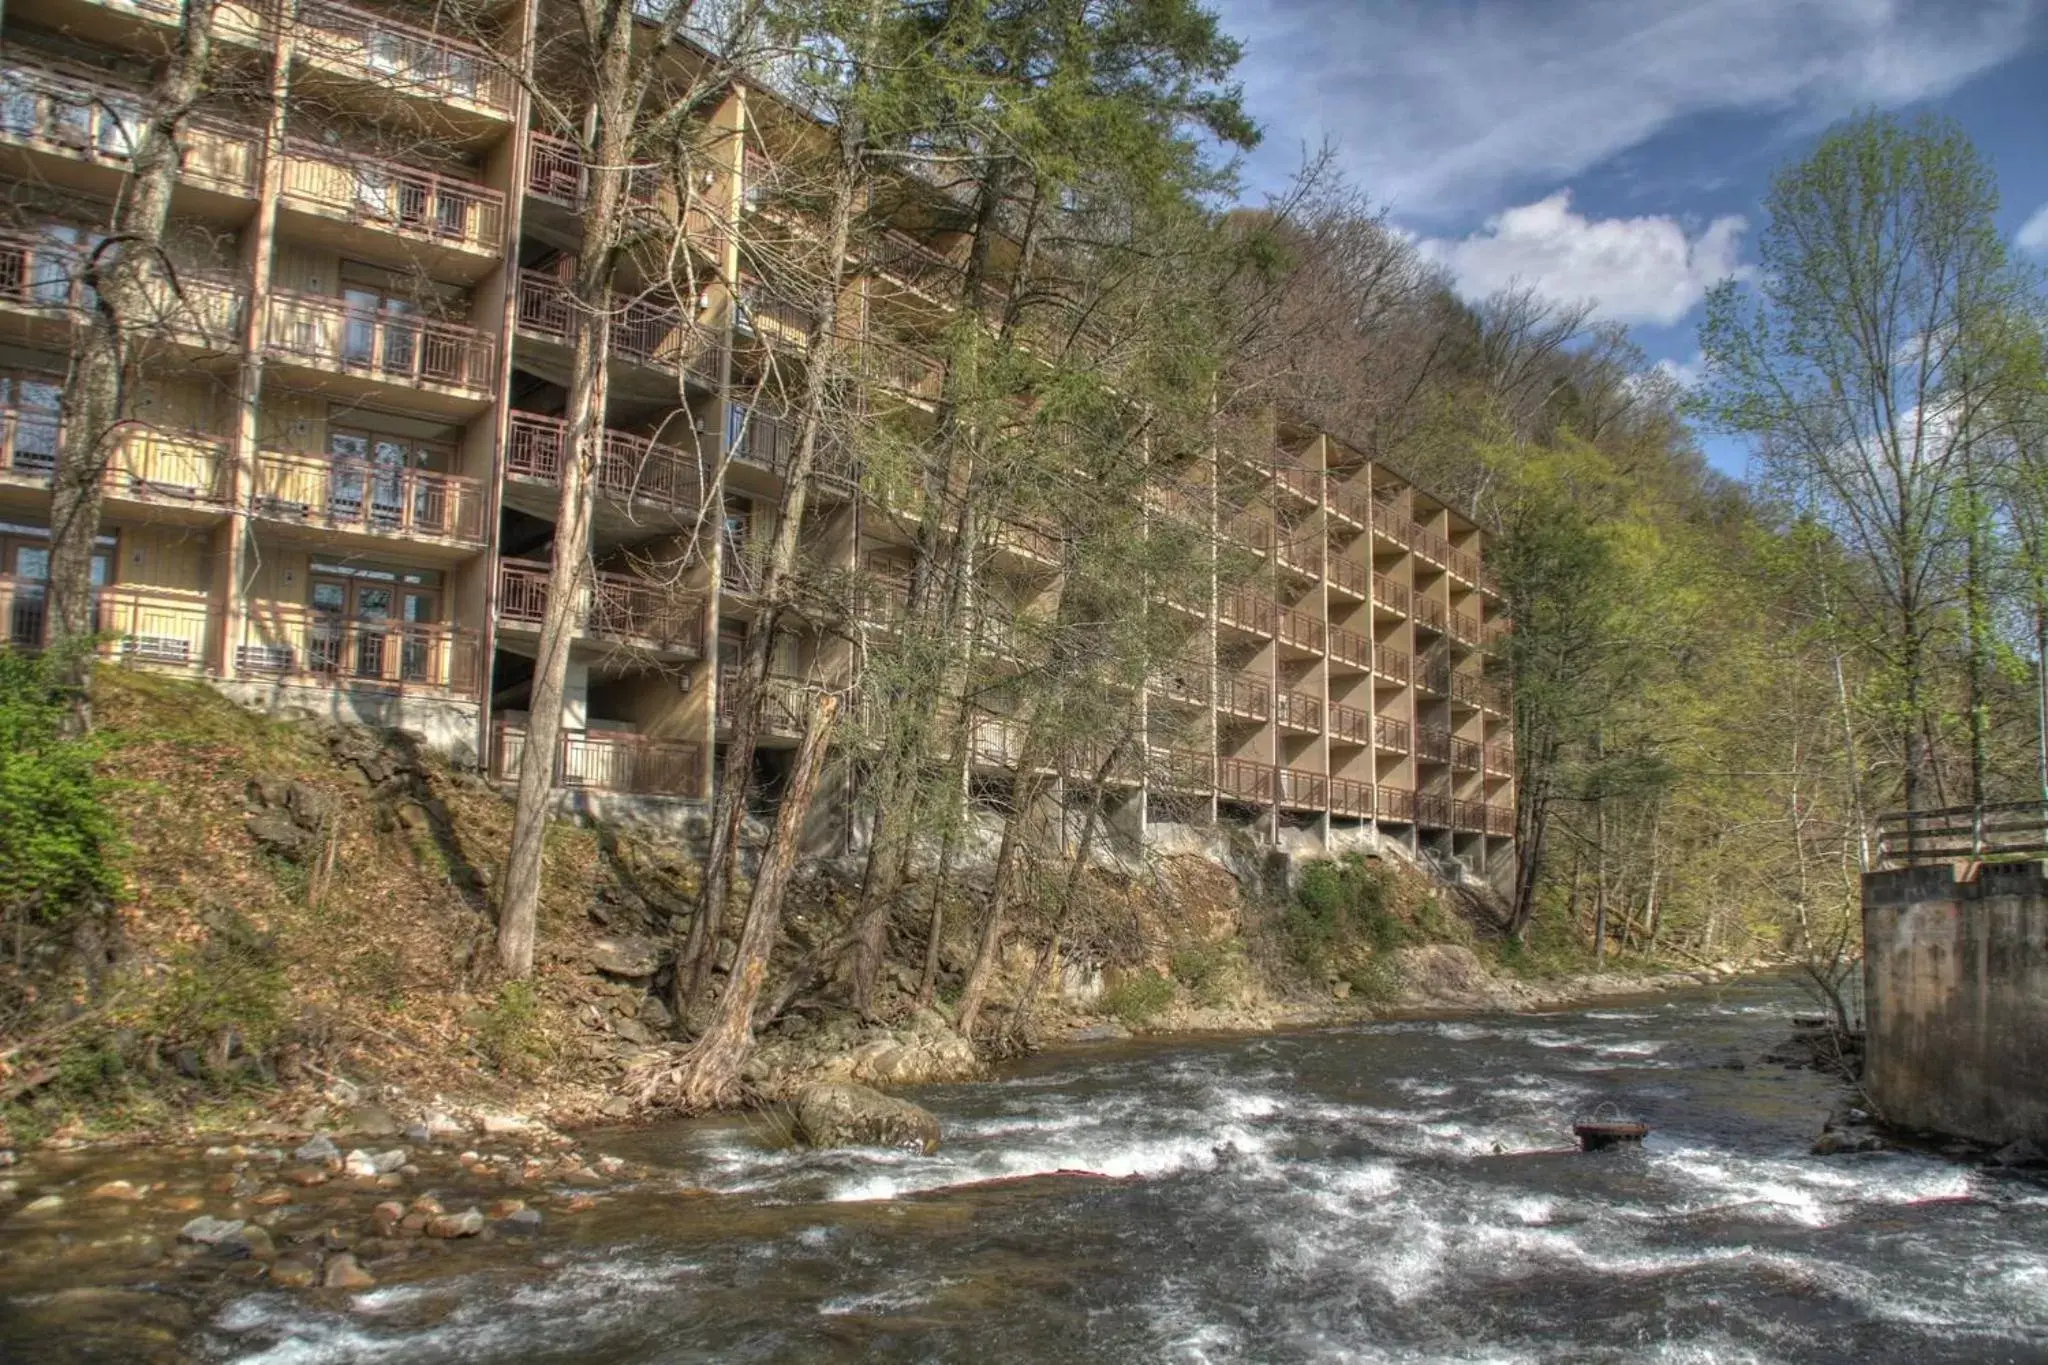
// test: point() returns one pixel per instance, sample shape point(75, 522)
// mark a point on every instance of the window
point(25, 557)
point(383, 332)
point(31, 406)
point(373, 624)
point(370, 483)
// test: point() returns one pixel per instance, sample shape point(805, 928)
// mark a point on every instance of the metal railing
point(1958, 834)
point(1469, 816)
point(393, 196)
point(1433, 744)
point(287, 639)
point(1297, 711)
point(357, 495)
point(146, 463)
point(385, 49)
point(1300, 629)
point(45, 272)
point(1240, 694)
point(1500, 760)
point(1348, 575)
point(1349, 725)
point(1466, 754)
point(142, 624)
point(1431, 613)
point(1302, 789)
point(656, 335)
point(1396, 803)
point(607, 760)
point(1394, 596)
point(784, 714)
point(1241, 779)
point(1350, 647)
point(629, 467)
point(403, 348)
point(99, 122)
point(1500, 820)
point(1351, 797)
point(1396, 664)
point(620, 606)
point(1433, 808)
point(1246, 611)
point(1389, 733)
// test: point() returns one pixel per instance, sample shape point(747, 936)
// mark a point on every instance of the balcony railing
point(1351, 797)
point(1305, 484)
point(1462, 564)
point(1465, 754)
point(1252, 531)
point(1396, 665)
point(1240, 779)
point(44, 272)
point(1240, 694)
point(1186, 682)
point(1496, 697)
point(1433, 675)
point(630, 468)
point(1247, 611)
point(1500, 820)
point(381, 48)
point(620, 607)
point(1350, 647)
point(1397, 804)
point(1387, 593)
point(1429, 544)
point(400, 348)
point(1349, 725)
point(1500, 760)
point(1493, 634)
point(289, 640)
point(146, 464)
point(1299, 552)
point(1182, 770)
point(1469, 816)
point(785, 712)
point(143, 624)
point(1433, 744)
point(356, 495)
point(1433, 808)
point(1390, 734)
point(103, 123)
point(1297, 711)
point(899, 368)
point(399, 198)
point(1302, 789)
point(1431, 613)
point(607, 760)
point(554, 170)
point(1347, 575)
point(1354, 508)
point(1389, 523)
point(1467, 688)
point(643, 332)
point(1301, 630)
point(1465, 627)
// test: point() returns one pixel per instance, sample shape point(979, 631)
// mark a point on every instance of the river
point(1375, 1193)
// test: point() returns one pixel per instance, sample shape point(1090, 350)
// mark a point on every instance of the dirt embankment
point(307, 922)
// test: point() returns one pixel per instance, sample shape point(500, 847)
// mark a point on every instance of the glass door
point(373, 630)
point(417, 658)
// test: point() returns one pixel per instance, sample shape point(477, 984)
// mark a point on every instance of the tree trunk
point(975, 993)
point(118, 274)
point(709, 1071)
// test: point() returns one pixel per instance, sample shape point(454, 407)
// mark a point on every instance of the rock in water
point(855, 1116)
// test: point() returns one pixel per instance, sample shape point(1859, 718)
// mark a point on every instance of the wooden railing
point(1350, 647)
point(384, 49)
point(356, 495)
point(607, 760)
point(402, 348)
point(1300, 629)
point(1960, 834)
point(1349, 725)
point(1389, 733)
point(1302, 789)
point(99, 122)
point(620, 607)
point(629, 468)
point(1298, 711)
point(289, 640)
point(1351, 797)
point(1394, 596)
point(370, 189)
point(1240, 694)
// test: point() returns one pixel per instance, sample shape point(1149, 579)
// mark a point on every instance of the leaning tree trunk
point(974, 994)
point(709, 1072)
point(117, 276)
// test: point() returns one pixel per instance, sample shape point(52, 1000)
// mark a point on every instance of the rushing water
point(1372, 1193)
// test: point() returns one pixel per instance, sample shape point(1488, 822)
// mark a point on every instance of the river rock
point(320, 1148)
point(2021, 1153)
point(49, 1203)
point(209, 1231)
point(372, 1120)
point(344, 1272)
point(855, 1116)
point(120, 1190)
point(359, 1163)
point(468, 1223)
point(294, 1272)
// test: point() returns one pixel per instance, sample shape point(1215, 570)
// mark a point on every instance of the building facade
point(338, 494)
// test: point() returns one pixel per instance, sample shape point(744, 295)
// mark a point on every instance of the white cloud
point(2033, 234)
point(1442, 109)
point(1631, 269)
point(1686, 374)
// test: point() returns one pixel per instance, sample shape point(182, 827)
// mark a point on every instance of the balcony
point(1432, 744)
point(1300, 553)
point(1186, 771)
point(1347, 576)
point(629, 469)
point(293, 642)
point(1429, 545)
point(1349, 725)
point(1499, 760)
point(1244, 697)
point(1350, 648)
point(1240, 779)
point(761, 441)
point(1186, 683)
point(1462, 564)
point(622, 761)
point(1395, 597)
point(655, 336)
point(1298, 712)
point(1305, 484)
point(92, 128)
point(1355, 509)
point(788, 704)
point(1390, 524)
point(1299, 630)
point(1301, 789)
point(909, 263)
point(1350, 797)
point(324, 335)
point(1464, 627)
point(1468, 816)
point(1396, 804)
point(1433, 675)
point(1243, 610)
point(1395, 665)
point(42, 274)
point(1252, 532)
point(1390, 734)
point(367, 499)
point(442, 211)
point(1495, 698)
point(1431, 614)
point(164, 627)
point(1467, 689)
point(1500, 820)
point(1494, 634)
point(170, 470)
point(1433, 809)
point(375, 47)
point(1465, 754)
point(621, 608)
point(899, 369)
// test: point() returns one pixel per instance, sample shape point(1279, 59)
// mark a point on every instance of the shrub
point(1211, 970)
point(58, 840)
point(1139, 996)
point(509, 1030)
point(231, 984)
point(1341, 904)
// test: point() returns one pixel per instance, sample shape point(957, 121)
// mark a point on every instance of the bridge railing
point(1956, 834)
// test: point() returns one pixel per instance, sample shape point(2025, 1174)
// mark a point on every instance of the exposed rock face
point(1449, 974)
point(629, 955)
point(855, 1116)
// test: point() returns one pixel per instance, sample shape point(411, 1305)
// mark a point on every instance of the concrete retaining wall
point(1956, 986)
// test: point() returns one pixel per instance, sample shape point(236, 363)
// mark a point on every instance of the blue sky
point(1618, 150)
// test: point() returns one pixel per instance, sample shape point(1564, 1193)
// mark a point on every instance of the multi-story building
point(338, 493)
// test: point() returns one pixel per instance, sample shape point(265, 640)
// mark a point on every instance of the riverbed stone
point(345, 1272)
point(294, 1272)
point(468, 1223)
point(318, 1148)
point(831, 1115)
point(206, 1230)
point(48, 1203)
point(119, 1190)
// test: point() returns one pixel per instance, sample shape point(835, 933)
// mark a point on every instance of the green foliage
point(1342, 905)
point(1213, 972)
point(59, 845)
point(1139, 997)
point(233, 982)
point(510, 1031)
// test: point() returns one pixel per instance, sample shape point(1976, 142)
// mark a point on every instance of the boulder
point(855, 1116)
point(632, 955)
point(277, 832)
point(2021, 1153)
